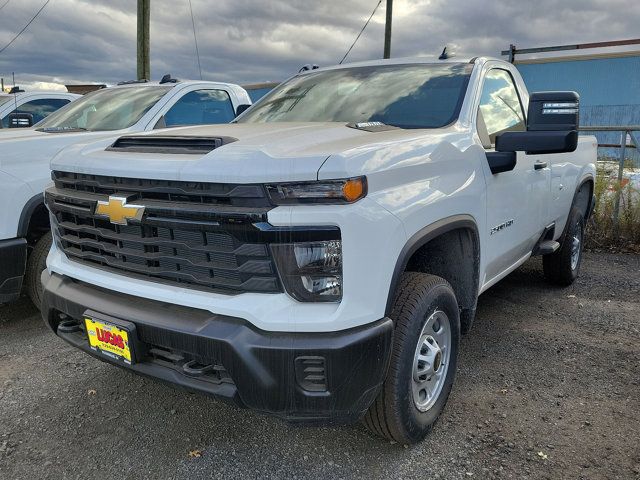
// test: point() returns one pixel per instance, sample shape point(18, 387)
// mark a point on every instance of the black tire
point(394, 414)
point(35, 266)
point(558, 267)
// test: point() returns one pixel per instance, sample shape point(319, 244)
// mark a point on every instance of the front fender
point(15, 196)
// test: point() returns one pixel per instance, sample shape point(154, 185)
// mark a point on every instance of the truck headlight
point(347, 190)
point(311, 271)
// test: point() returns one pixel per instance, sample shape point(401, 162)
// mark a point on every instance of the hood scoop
point(169, 144)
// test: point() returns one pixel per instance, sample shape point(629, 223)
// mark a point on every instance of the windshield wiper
point(61, 129)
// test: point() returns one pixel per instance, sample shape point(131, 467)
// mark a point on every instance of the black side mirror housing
point(20, 120)
point(552, 125)
point(241, 108)
point(553, 111)
point(501, 161)
point(537, 142)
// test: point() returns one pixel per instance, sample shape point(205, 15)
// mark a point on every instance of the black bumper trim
point(261, 364)
point(13, 263)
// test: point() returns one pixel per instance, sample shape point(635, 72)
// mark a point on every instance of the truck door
point(517, 200)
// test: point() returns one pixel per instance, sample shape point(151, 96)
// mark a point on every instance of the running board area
point(546, 247)
point(546, 244)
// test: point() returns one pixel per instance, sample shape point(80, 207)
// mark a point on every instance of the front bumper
point(13, 262)
point(328, 377)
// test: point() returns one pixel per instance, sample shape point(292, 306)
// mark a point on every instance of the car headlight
point(311, 271)
point(347, 190)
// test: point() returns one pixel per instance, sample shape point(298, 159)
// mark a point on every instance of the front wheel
point(35, 266)
point(562, 267)
point(423, 360)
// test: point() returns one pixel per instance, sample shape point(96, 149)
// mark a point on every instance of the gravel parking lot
point(548, 387)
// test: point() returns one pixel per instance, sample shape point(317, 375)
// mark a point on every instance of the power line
point(365, 26)
point(4, 4)
point(25, 27)
point(195, 39)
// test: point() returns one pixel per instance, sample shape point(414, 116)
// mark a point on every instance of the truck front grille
point(197, 235)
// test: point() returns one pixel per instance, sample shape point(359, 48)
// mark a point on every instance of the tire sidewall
point(416, 422)
point(36, 265)
point(577, 224)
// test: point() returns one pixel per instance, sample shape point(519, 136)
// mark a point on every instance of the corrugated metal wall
point(600, 81)
point(609, 91)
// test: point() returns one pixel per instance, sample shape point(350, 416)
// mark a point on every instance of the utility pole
point(387, 30)
point(144, 64)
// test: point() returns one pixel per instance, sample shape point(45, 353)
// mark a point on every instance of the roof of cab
point(404, 61)
point(167, 84)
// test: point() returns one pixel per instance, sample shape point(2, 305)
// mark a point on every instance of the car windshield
point(406, 96)
point(108, 109)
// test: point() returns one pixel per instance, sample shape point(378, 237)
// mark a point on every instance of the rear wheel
point(423, 360)
point(35, 266)
point(562, 267)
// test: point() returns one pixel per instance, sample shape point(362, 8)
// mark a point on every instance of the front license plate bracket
point(112, 337)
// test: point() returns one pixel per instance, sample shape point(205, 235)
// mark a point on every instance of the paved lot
point(548, 387)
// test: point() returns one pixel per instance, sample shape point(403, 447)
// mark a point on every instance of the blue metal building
point(609, 88)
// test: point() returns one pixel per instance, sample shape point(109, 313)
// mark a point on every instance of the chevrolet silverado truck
point(25, 155)
point(21, 109)
point(319, 258)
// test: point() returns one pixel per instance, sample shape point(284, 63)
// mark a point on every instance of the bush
point(601, 227)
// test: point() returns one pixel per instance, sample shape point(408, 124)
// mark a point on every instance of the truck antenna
point(14, 89)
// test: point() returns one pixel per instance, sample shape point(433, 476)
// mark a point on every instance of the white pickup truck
point(26, 153)
point(24, 109)
point(319, 258)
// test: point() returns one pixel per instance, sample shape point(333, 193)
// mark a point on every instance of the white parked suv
point(26, 153)
point(25, 109)
point(319, 258)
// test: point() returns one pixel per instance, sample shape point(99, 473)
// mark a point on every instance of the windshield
point(406, 96)
point(108, 109)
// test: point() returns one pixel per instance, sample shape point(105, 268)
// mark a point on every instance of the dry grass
point(601, 228)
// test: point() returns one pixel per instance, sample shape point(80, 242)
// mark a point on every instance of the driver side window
point(39, 108)
point(200, 107)
point(500, 109)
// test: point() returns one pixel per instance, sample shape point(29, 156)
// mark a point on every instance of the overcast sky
point(77, 41)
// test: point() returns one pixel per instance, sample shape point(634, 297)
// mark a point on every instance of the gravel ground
point(548, 387)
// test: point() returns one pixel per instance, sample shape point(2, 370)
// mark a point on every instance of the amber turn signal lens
point(354, 189)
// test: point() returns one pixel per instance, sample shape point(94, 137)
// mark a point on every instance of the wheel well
point(584, 197)
point(454, 256)
point(38, 224)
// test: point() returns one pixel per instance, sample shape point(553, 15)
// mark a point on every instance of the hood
point(11, 133)
point(16, 144)
point(261, 152)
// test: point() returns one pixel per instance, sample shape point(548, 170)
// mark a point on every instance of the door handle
point(540, 165)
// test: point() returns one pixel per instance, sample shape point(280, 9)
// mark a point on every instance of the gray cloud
point(249, 40)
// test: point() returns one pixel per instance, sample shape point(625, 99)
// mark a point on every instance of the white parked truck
point(319, 258)
point(25, 155)
point(22, 109)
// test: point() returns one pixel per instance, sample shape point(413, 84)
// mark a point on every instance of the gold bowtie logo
point(118, 211)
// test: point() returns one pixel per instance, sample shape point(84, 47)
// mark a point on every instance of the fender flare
point(592, 198)
point(421, 238)
point(25, 217)
point(590, 201)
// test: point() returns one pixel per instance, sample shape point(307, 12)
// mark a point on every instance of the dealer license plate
point(108, 339)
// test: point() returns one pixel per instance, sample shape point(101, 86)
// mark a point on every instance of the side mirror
point(241, 108)
point(20, 120)
point(552, 125)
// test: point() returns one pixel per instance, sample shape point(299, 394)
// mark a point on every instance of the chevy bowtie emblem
point(118, 211)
